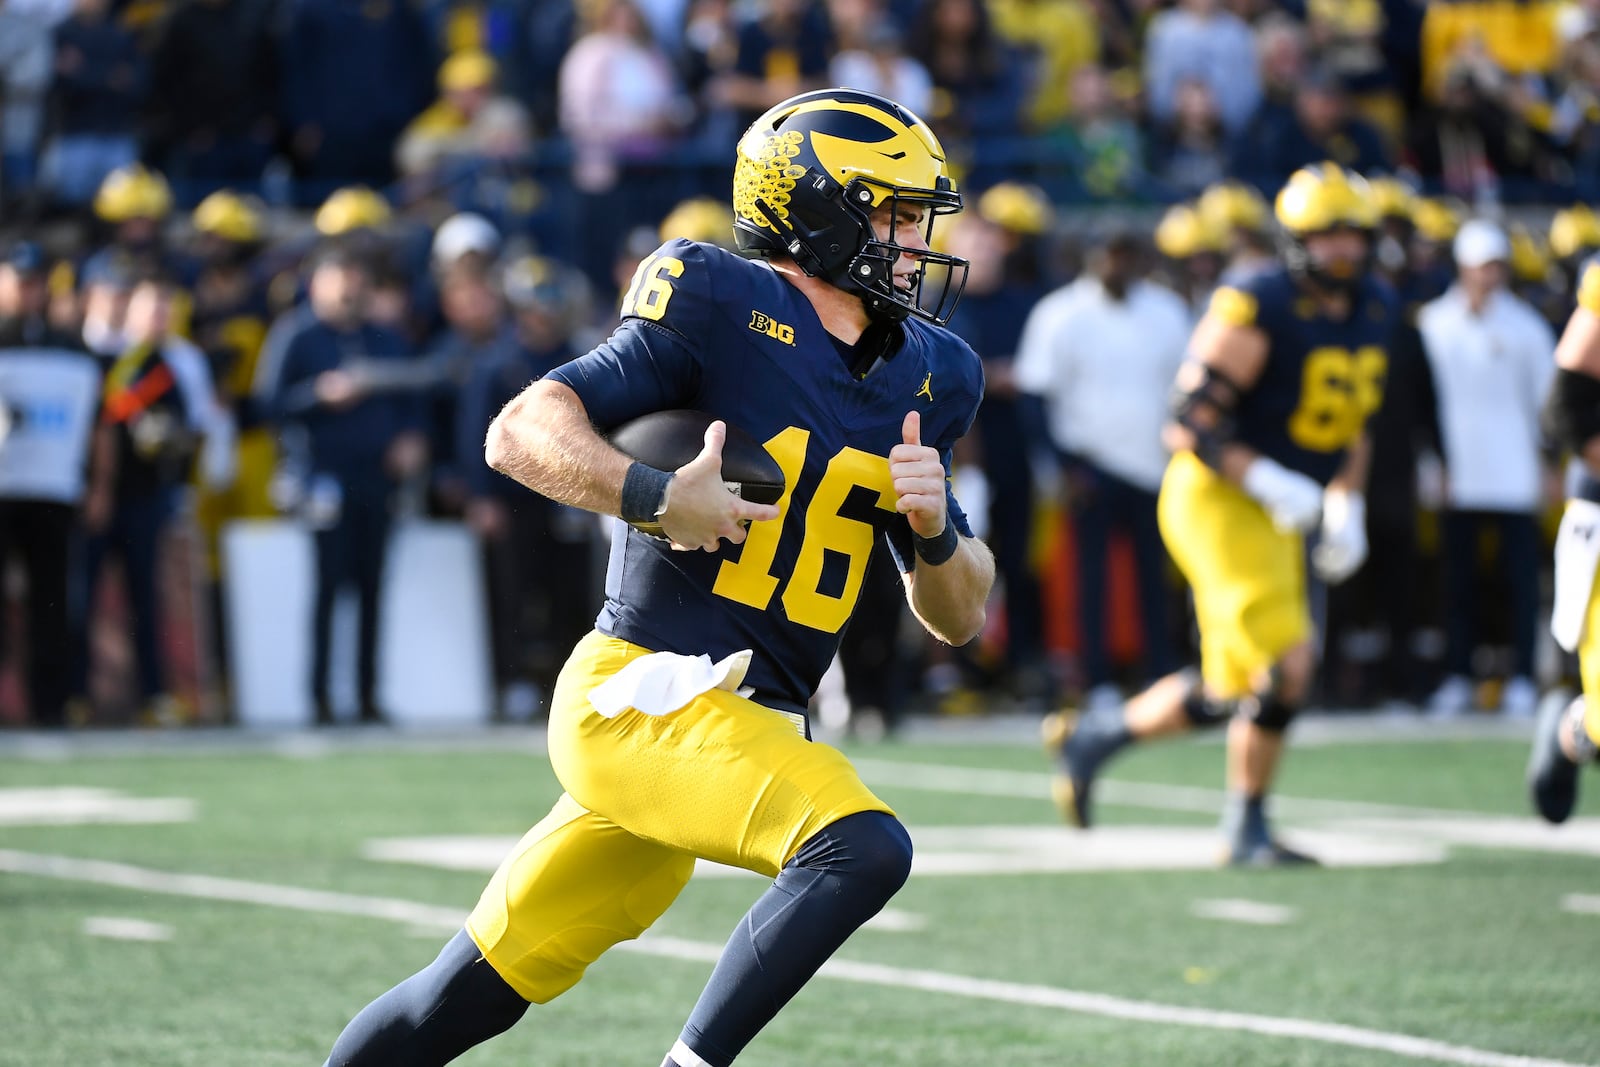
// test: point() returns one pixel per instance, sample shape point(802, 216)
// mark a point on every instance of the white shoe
point(1520, 698)
point(1101, 697)
point(1453, 698)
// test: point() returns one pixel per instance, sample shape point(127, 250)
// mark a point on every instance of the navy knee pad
point(870, 848)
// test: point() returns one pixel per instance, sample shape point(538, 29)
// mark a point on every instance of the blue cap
point(26, 257)
point(108, 267)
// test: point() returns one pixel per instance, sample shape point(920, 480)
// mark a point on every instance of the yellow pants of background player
point(1247, 575)
point(1589, 662)
point(722, 778)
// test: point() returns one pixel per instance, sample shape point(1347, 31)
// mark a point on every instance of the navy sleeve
point(654, 359)
point(639, 369)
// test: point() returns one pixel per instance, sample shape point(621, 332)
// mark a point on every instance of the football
point(667, 440)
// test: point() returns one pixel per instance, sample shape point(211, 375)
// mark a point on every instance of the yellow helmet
point(471, 69)
point(700, 219)
point(1228, 206)
point(1022, 209)
point(1322, 197)
point(810, 173)
point(133, 192)
point(1530, 262)
point(1184, 232)
point(355, 207)
point(232, 217)
point(1437, 219)
point(1392, 198)
point(1574, 231)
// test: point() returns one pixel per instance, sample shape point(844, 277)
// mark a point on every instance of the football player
point(1567, 732)
point(1267, 441)
point(678, 727)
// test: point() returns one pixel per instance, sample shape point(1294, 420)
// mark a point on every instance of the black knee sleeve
point(1268, 711)
point(454, 1003)
point(1203, 710)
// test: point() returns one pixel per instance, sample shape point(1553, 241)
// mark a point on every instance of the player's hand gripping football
point(700, 511)
point(918, 477)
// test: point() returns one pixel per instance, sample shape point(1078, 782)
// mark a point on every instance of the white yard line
point(120, 929)
point(1035, 785)
point(1251, 912)
point(412, 914)
point(1581, 903)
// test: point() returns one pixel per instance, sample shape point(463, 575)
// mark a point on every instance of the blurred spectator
point(1062, 36)
point(710, 51)
point(1103, 142)
point(1436, 221)
point(469, 121)
point(26, 53)
point(1476, 135)
point(1534, 276)
point(1199, 41)
point(1003, 244)
point(538, 555)
point(1319, 128)
point(350, 210)
point(1240, 214)
point(229, 324)
point(782, 52)
point(1188, 151)
point(96, 95)
point(477, 329)
point(978, 84)
point(1101, 353)
point(49, 394)
point(1195, 251)
point(621, 109)
point(351, 75)
point(107, 282)
point(1281, 46)
point(210, 122)
point(325, 367)
point(1347, 36)
point(131, 205)
point(160, 408)
point(1574, 237)
point(1514, 37)
point(1493, 360)
point(881, 66)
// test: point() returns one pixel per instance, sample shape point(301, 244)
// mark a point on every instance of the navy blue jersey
point(1323, 377)
point(705, 329)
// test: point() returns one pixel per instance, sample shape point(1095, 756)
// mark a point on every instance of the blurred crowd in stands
point(303, 250)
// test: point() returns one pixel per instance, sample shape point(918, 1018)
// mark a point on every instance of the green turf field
point(1465, 933)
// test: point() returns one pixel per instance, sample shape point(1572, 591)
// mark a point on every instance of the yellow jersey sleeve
point(1233, 306)
point(1589, 288)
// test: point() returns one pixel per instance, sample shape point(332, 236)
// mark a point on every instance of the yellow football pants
point(1248, 576)
point(722, 778)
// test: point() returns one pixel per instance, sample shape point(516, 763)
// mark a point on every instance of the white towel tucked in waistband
point(663, 682)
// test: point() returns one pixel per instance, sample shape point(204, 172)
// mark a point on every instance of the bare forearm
point(949, 599)
point(1352, 476)
point(543, 439)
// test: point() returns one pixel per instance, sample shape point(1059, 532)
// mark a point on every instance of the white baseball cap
point(464, 233)
point(1481, 241)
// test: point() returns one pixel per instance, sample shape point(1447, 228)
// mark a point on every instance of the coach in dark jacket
point(337, 384)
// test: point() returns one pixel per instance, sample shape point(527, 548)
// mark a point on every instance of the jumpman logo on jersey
point(927, 387)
